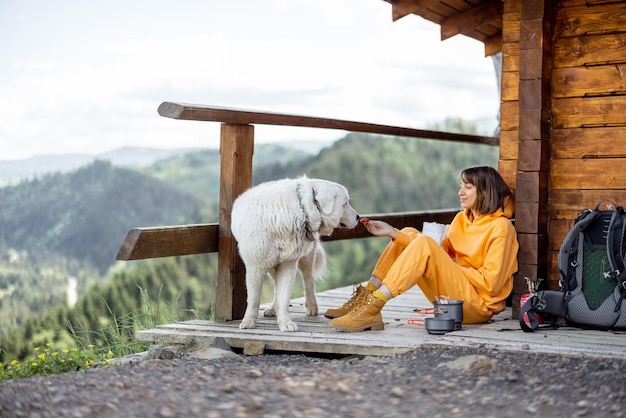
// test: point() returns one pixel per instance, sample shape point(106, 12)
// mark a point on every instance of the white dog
point(277, 226)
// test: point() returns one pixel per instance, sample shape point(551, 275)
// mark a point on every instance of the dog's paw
point(247, 323)
point(269, 312)
point(288, 326)
point(312, 311)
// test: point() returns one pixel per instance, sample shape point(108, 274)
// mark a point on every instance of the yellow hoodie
point(485, 248)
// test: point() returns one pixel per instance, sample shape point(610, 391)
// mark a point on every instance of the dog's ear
point(324, 201)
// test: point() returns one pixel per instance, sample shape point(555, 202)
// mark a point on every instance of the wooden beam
point(472, 19)
point(401, 8)
point(493, 45)
point(166, 241)
point(252, 117)
point(236, 149)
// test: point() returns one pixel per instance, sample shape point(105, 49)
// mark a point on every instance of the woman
point(475, 262)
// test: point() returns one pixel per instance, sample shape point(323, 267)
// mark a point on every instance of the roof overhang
point(477, 19)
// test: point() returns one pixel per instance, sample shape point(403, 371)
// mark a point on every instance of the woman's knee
point(426, 241)
point(410, 230)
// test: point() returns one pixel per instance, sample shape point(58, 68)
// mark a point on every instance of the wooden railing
point(236, 149)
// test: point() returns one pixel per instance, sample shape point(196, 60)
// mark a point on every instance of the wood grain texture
point(252, 117)
point(316, 336)
point(167, 241)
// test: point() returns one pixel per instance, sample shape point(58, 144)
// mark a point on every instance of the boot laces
point(361, 307)
point(355, 300)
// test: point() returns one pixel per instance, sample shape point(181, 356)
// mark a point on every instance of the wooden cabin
point(563, 109)
point(562, 131)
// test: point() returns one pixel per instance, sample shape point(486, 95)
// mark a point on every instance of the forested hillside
point(198, 173)
point(60, 233)
point(65, 227)
point(389, 174)
point(86, 214)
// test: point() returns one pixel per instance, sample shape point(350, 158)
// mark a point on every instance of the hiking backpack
point(592, 271)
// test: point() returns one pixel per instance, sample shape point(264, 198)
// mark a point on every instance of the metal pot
point(450, 309)
point(439, 326)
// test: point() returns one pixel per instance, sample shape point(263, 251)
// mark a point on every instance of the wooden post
point(533, 164)
point(236, 149)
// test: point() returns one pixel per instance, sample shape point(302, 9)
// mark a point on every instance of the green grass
point(50, 360)
point(116, 340)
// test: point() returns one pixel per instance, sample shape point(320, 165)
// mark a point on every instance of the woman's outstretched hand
point(379, 228)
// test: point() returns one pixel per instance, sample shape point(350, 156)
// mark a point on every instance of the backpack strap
point(529, 310)
point(615, 248)
point(568, 254)
point(545, 302)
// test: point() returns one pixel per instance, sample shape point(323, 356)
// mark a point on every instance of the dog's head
point(332, 208)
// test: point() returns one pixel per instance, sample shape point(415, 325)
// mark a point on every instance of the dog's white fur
point(277, 226)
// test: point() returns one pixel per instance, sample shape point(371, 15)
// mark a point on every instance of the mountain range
point(12, 171)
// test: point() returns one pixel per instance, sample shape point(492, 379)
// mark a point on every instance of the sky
point(87, 76)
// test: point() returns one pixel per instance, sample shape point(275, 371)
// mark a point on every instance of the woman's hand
point(379, 228)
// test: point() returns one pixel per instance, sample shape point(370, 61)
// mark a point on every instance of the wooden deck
point(316, 336)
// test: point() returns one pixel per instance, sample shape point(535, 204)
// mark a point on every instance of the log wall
point(588, 135)
point(563, 120)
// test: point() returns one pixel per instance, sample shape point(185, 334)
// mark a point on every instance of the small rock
point(213, 353)
point(397, 392)
point(343, 387)
point(512, 377)
point(253, 348)
point(161, 353)
point(472, 363)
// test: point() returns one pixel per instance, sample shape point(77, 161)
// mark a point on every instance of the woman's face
point(467, 193)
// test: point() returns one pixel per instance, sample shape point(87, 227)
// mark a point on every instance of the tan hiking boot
point(365, 316)
point(360, 292)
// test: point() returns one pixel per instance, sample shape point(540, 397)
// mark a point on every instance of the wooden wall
point(588, 156)
point(563, 120)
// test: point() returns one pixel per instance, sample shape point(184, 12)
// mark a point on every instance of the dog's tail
point(319, 263)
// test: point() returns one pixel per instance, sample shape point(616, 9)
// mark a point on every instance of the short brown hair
point(491, 189)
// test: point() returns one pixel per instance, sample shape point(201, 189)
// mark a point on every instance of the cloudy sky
point(87, 76)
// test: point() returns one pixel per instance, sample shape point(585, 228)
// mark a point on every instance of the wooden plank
point(578, 19)
point(508, 171)
point(589, 112)
point(531, 218)
point(602, 80)
point(566, 205)
point(510, 86)
point(532, 248)
point(245, 117)
point(511, 17)
point(532, 186)
point(153, 242)
point(168, 241)
point(509, 146)
point(565, 341)
point(589, 143)
point(510, 57)
point(315, 335)
point(590, 50)
point(596, 173)
point(509, 116)
point(558, 230)
point(534, 155)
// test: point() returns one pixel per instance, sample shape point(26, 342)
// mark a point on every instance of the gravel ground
point(429, 382)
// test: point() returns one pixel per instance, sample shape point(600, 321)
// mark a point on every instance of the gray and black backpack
point(592, 270)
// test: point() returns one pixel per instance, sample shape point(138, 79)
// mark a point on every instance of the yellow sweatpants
point(424, 263)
